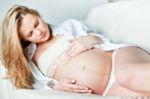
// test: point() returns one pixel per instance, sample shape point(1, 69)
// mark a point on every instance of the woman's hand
point(70, 85)
point(81, 44)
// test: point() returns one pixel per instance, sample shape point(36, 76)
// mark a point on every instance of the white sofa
point(105, 18)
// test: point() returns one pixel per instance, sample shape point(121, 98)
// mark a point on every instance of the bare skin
point(132, 67)
point(92, 71)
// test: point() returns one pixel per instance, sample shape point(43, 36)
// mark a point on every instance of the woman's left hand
point(80, 44)
point(69, 85)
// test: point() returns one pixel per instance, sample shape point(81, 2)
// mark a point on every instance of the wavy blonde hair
point(13, 55)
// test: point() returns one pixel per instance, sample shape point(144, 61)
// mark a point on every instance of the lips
point(43, 34)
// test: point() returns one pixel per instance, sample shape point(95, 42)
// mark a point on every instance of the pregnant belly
point(91, 68)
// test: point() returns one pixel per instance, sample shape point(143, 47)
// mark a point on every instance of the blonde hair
point(13, 55)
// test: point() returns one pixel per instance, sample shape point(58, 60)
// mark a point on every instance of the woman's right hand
point(81, 44)
point(70, 85)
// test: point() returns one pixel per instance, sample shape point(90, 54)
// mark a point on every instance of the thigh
point(118, 90)
point(132, 68)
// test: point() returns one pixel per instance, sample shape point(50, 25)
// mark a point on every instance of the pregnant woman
point(61, 55)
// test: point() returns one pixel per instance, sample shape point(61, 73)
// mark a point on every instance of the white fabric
point(40, 80)
point(112, 74)
point(70, 29)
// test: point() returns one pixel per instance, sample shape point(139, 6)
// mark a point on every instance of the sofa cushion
point(124, 21)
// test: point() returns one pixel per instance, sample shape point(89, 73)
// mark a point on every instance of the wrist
point(96, 40)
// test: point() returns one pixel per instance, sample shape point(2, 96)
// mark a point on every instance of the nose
point(38, 31)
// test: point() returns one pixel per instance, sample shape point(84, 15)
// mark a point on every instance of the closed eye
point(36, 24)
point(30, 34)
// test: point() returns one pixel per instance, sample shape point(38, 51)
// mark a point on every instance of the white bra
point(48, 61)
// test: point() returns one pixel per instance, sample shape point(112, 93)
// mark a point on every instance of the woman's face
point(34, 29)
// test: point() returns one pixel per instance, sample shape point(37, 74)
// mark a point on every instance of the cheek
point(33, 39)
point(45, 26)
point(42, 24)
point(47, 35)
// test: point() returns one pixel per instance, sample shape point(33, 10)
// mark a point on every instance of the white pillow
point(124, 21)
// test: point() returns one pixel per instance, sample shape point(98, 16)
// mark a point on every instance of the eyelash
point(37, 23)
point(30, 34)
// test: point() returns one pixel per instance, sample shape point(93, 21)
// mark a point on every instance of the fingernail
point(73, 80)
point(90, 91)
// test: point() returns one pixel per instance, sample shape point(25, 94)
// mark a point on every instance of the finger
point(74, 49)
point(70, 51)
point(72, 45)
point(77, 87)
point(68, 81)
point(75, 52)
point(82, 91)
point(70, 86)
point(72, 54)
point(71, 40)
point(64, 84)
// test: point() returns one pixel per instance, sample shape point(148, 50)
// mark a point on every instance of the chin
point(47, 36)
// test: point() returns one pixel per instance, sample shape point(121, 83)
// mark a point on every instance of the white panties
point(112, 76)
